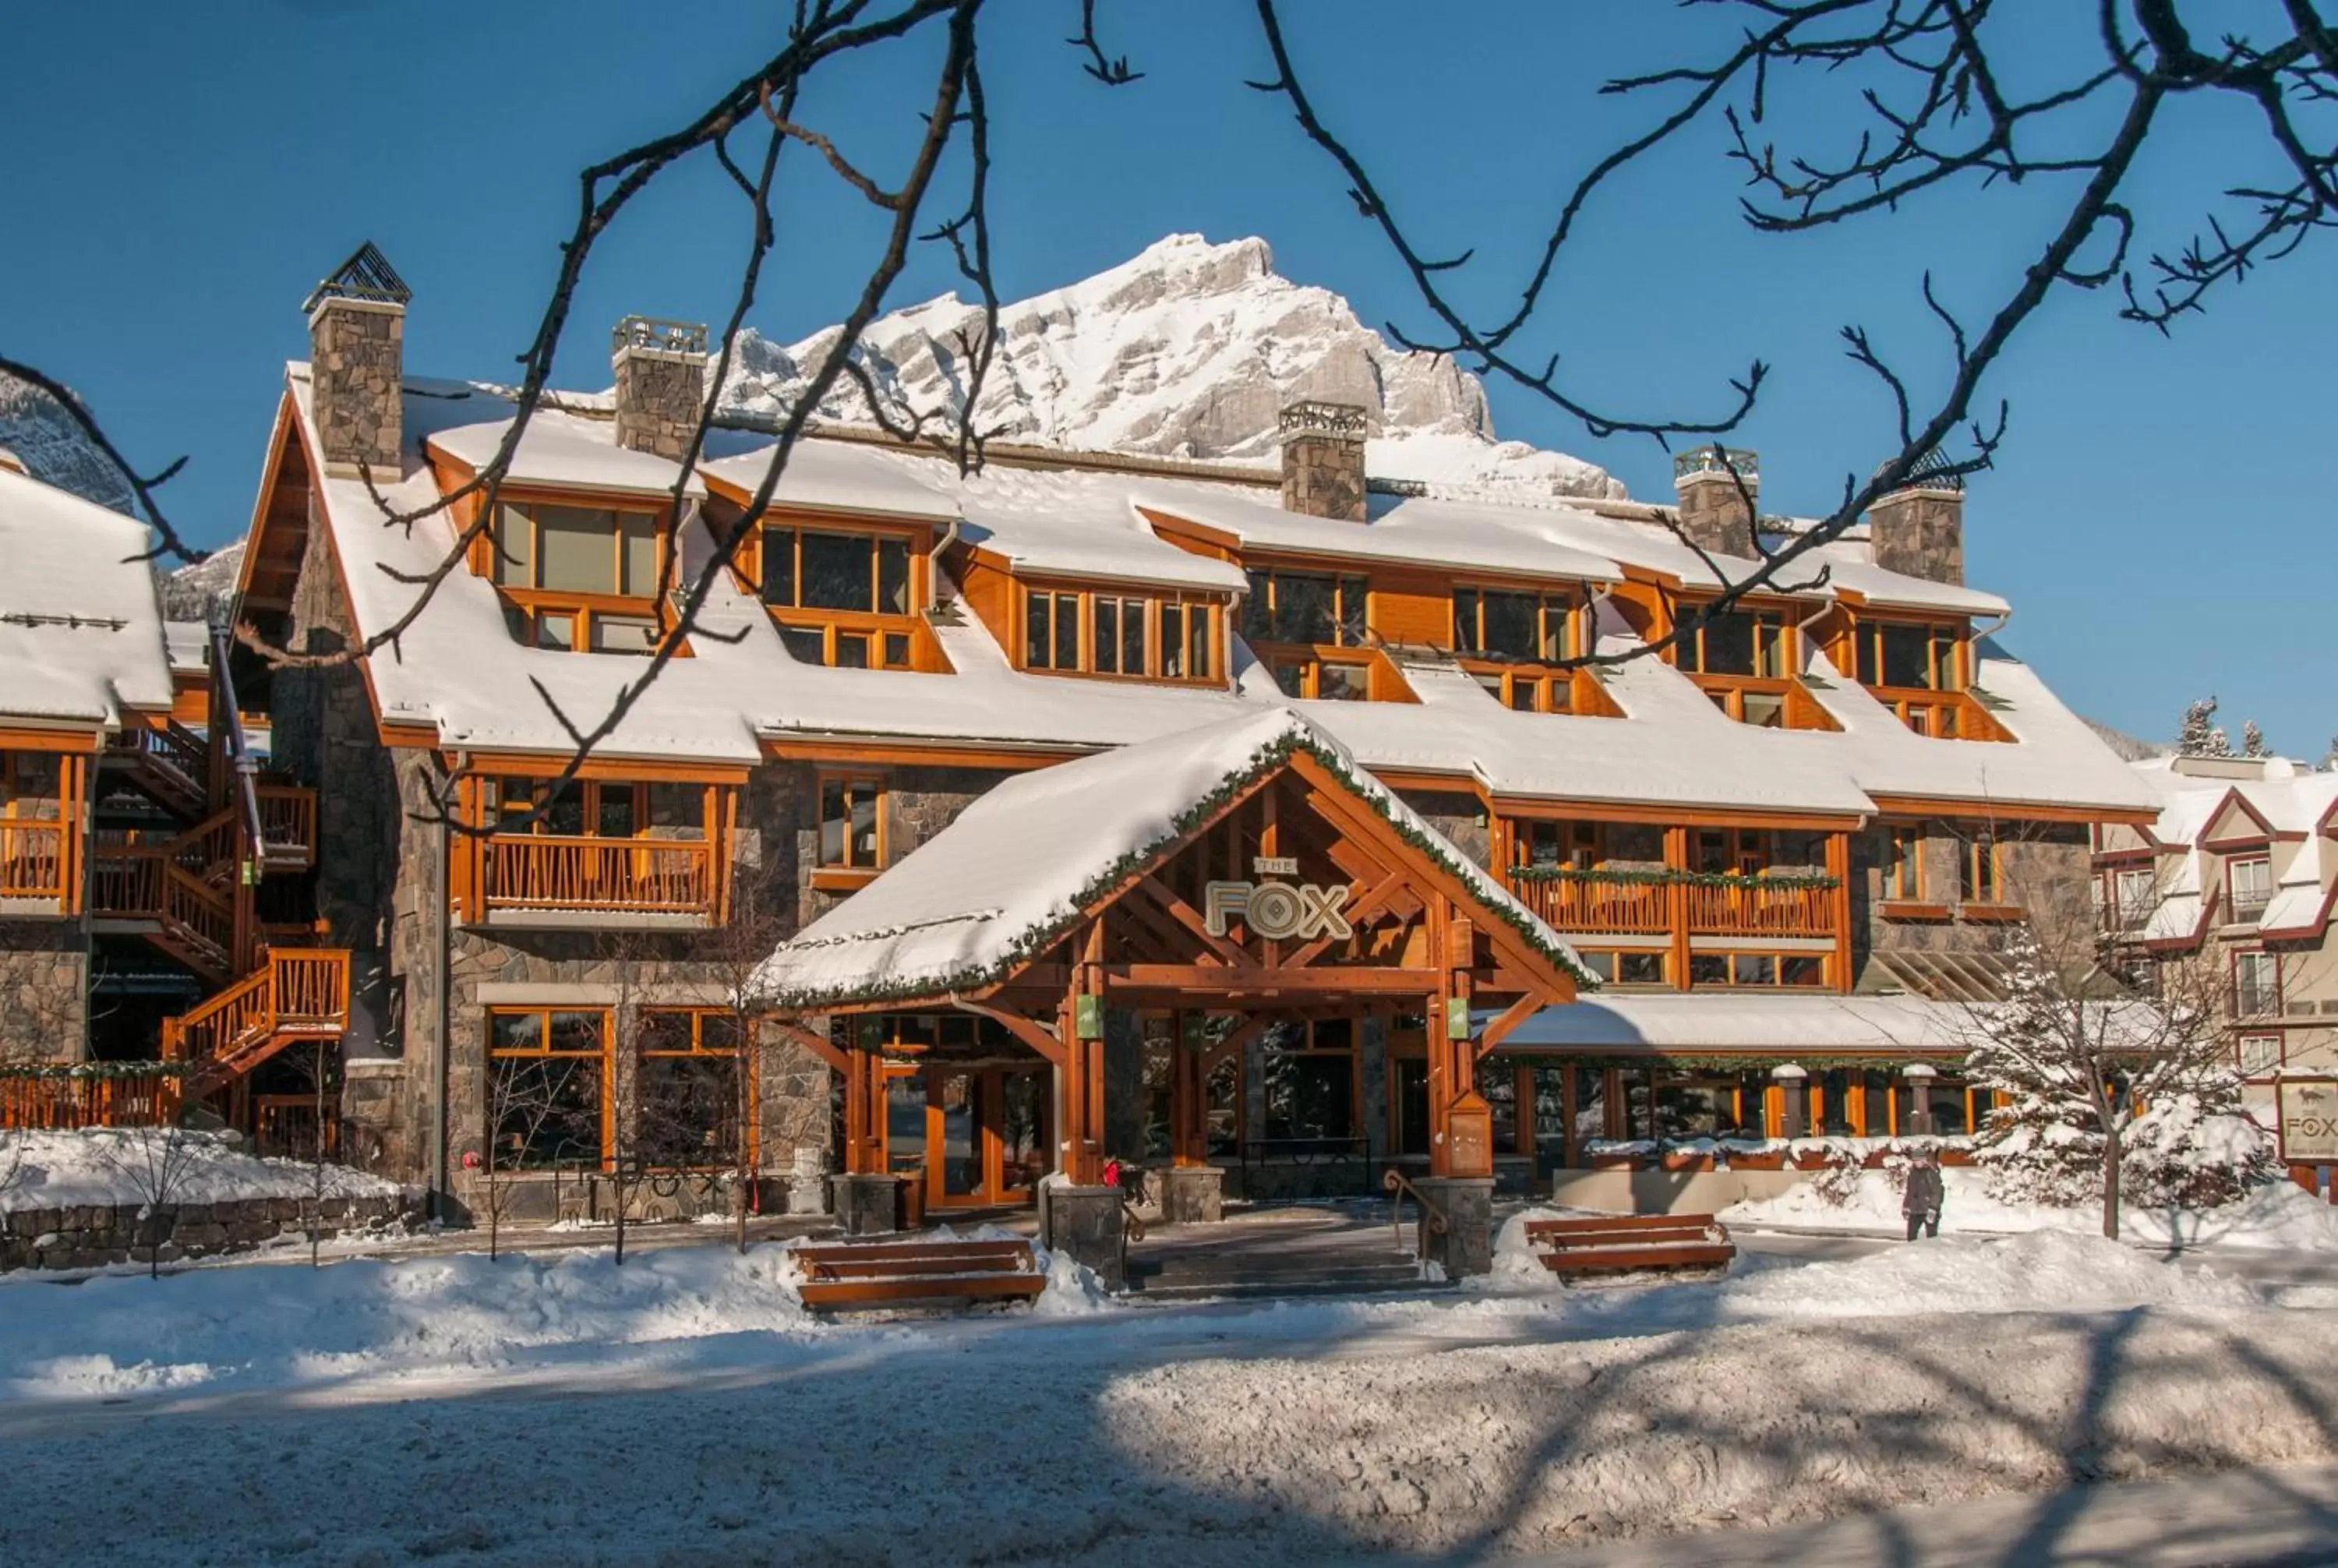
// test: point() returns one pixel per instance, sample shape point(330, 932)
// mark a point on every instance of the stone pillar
point(1372, 1066)
point(1715, 512)
point(661, 369)
point(356, 352)
point(1466, 1245)
point(866, 1204)
point(1324, 460)
point(1193, 1195)
point(1920, 533)
point(1088, 1225)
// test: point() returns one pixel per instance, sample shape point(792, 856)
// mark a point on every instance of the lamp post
point(1788, 1079)
point(1920, 1076)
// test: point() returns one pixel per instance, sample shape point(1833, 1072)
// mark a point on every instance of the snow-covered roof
point(831, 476)
point(188, 644)
point(2295, 805)
point(81, 625)
point(1008, 876)
point(1688, 1021)
point(565, 450)
point(460, 672)
point(1483, 538)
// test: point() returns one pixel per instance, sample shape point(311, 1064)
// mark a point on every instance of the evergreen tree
point(2111, 1098)
point(2199, 737)
point(2252, 739)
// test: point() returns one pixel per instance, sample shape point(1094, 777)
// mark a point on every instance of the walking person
point(1921, 1200)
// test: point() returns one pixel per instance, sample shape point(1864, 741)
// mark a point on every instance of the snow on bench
point(939, 1271)
point(1618, 1242)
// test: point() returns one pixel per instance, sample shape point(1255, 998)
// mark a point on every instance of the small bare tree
point(521, 1102)
point(155, 1162)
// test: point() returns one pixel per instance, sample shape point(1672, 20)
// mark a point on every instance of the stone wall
point(1714, 516)
point(1920, 533)
point(1460, 817)
point(96, 1236)
point(356, 358)
point(1323, 476)
point(660, 396)
point(43, 991)
point(2047, 872)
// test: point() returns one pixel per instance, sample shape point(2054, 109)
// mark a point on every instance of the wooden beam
point(820, 1045)
point(1491, 1037)
point(1035, 1034)
point(1184, 914)
point(1210, 979)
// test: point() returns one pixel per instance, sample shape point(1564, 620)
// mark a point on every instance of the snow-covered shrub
point(2181, 1154)
point(1837, 1181)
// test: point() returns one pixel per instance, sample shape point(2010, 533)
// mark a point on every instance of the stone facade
point(660, 396)
point(1460, 817)
point(43, 991)
point(96, 1236)
point(357, 353)
point(1714, 514)
point(1920, 533)
point(1324, 460)
point(2046, 872)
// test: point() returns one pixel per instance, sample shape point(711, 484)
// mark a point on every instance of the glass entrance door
point(986, 1135)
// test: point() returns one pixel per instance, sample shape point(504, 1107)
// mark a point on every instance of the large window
point(851, 824)
point(578, 808)
point(1501, 624)
point(823, 569)
point(560, 566)
point(2256, 985)
point(1911, 655)
point(1904, 868)
point(1627, 965)
point(1755, 643)
point(2248, 884)
point(1321, 679)
point(689, 1104)
point(1302, 607)
point(1101, 633)
point(1980, 868)
point(1789, 971)
point(547, 1071)
point(1310, 1081)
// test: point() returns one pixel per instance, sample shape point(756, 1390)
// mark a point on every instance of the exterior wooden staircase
point(295, 994)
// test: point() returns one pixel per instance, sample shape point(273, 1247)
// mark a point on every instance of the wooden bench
point(1617, 1243)
point(937, 1273)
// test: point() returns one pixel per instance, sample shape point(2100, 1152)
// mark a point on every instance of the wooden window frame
point(1567, 602)
point(1778, 958)
point(529, 604)
point(1864, 663)
point(1084, 599)
point(1269, 605)
point(1981, 882)
point(846, 873)
point(608, 1054)
point(1310, 664)
point(592, 791)
point(1904, 844)
point(1352, 1051)
point(749, 1130)
point(1665, 980)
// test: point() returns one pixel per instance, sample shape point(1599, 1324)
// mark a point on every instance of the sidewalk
point(2238, 1519)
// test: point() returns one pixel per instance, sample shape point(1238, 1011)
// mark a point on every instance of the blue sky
point(2153, 516)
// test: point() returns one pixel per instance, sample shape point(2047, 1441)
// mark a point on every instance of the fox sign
point(1276, 910)
point(2308, 1120)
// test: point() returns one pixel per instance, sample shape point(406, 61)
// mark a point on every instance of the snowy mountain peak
point(1187, 349)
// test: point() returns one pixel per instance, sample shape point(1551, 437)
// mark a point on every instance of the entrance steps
point(1301, 1251)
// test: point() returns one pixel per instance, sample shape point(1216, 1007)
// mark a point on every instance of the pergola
point(1249, 868)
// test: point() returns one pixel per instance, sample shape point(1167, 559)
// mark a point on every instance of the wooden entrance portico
point(1297, 892)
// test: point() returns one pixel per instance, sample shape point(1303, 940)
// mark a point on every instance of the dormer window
point(845, 597)
point(575, 577)
point(1307, 608)
point(1743, 660)
point(1533, 628)
point(1097, 631)
point(1911, 655)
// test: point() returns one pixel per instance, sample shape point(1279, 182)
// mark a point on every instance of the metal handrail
point(1432, 1219)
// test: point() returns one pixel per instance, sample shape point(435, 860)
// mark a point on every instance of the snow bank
point(2279, 1216)
point(259, 1325)
point(98, 1167)
point(2045, 1270)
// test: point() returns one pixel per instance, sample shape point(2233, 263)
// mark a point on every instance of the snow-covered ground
point(63, 1170)
point(2279, 1216)
point(378, 1411)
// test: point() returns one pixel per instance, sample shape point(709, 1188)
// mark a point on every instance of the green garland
point(1667, 877)
point(1817, 1063)
point(1047, 933)
point(94, 1071)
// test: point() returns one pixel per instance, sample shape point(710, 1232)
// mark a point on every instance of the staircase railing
point(1432, 1220)
point(295, 994)
point(288, 823)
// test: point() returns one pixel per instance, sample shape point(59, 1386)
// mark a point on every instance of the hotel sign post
point(2306, 1121)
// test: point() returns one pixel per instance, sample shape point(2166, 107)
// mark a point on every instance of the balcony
point(1654, 903)
point(32, 861)
point(525, 874)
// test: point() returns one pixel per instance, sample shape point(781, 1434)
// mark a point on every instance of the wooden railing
point(43, 1101)
point(31, 860)
point(1639, 904)
point(300, 992)
point(1587, 903)
point(1754, 907)
point(287, 821)
point(644, 876)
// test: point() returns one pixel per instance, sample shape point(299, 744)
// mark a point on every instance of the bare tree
point(155, 1162)
point(522, 1105)
point(1928, 81)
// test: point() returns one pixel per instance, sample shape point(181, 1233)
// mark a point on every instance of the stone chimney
point(1324, 460)
point(1715, 512)
point(357, 359)
point(661, 369)
point(1918, 529)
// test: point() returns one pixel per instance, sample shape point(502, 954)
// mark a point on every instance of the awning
point(1657, 1024)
